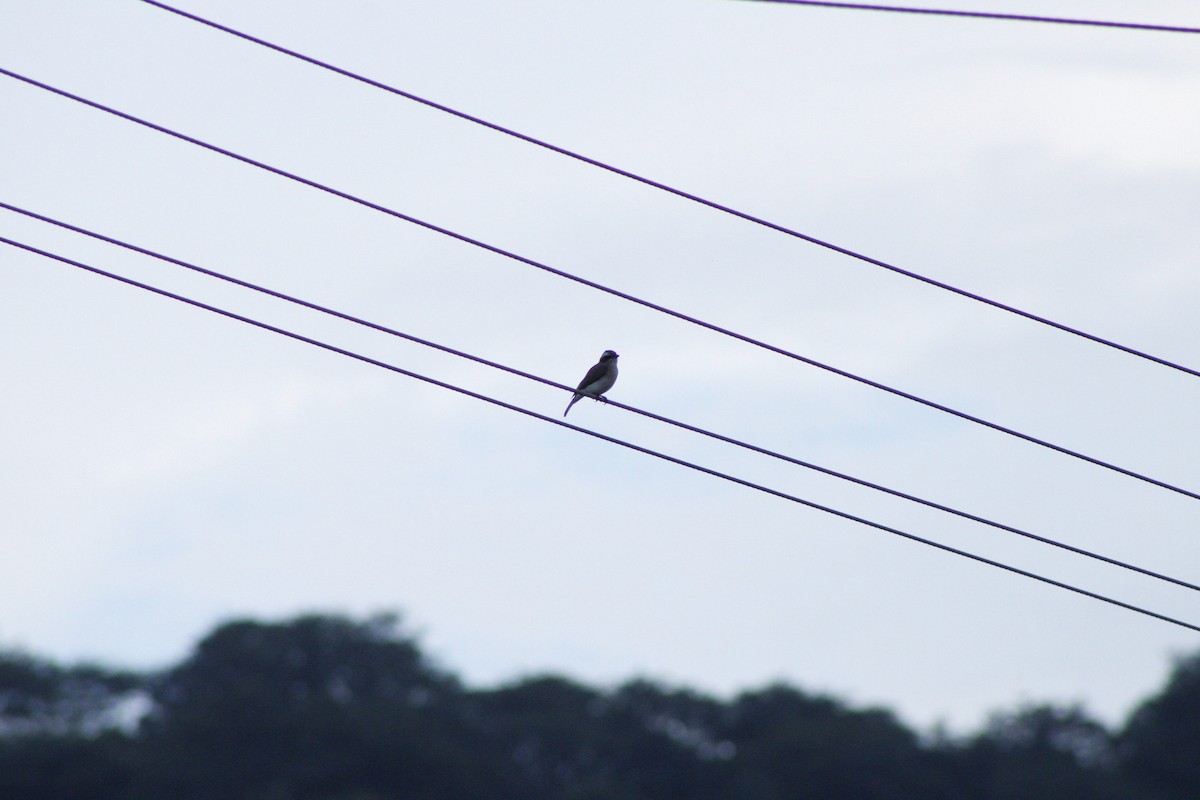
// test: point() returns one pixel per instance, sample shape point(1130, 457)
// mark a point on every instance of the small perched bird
point(599, 379)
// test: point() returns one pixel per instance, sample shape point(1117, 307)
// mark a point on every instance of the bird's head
point(608, 355)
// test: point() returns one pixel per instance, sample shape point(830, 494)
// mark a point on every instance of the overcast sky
point(165, 469)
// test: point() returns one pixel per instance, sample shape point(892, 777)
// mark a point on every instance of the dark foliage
point(794, 745)
point(1161, 743)
point(1043, 751)
point(67, 766)
point(37, 696)
point(316, 708)
point(325, 708)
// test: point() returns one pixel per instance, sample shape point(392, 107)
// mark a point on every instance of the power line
point(686, 195)
point(606, 289)
point(529, 376)
point(613, 440)
point(979, 15)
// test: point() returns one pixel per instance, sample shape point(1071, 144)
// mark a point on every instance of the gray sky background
point(165, 469)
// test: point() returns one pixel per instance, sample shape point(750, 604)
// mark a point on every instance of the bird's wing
point(594, 374)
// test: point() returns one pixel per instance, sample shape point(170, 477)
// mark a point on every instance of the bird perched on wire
point(599, 379)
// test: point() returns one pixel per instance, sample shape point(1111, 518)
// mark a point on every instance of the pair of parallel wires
point(717, 206)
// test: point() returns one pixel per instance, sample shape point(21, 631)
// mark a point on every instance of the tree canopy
point(322, 707)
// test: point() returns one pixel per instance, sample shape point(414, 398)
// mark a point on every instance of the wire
point(604, 437)
point(601, 287)
point(622, 406)
point(685, 195)
point(980, 15)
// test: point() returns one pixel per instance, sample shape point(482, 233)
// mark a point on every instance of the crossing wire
point(650, 415)
point(996, 304)
point(606, 289)
point(604, 437)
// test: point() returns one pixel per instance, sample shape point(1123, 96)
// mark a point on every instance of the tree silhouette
point(1048, 751)
point(60, 736)
point(1161, 742)
point(319, 707)
point(37, 696)
point(790, 744)
point(326, 708)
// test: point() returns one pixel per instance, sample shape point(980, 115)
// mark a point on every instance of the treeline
point(327, 708)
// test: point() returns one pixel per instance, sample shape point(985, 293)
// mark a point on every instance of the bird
point(599, 379)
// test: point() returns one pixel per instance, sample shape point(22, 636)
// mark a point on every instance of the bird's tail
point(574, 400)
